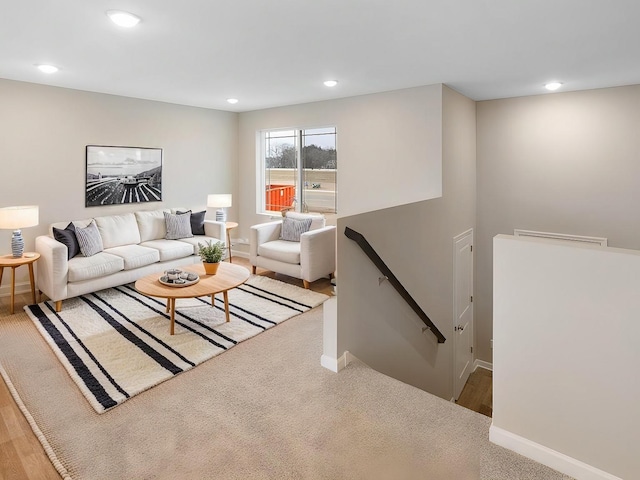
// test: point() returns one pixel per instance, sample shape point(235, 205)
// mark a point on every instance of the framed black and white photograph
point(117, 175)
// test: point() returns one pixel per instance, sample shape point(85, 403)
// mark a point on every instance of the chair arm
point(216, 230)
point(263, 233)
point(52, 267)
point(318, 253)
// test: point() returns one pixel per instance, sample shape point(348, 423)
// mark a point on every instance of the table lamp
point(219, 201)
point(15, 218)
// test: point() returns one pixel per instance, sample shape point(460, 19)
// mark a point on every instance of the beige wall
point(564, 163)
point(44, 131)
point(389, 150)
point(416, 243)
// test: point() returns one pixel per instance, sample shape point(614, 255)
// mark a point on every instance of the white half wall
point(566, 356)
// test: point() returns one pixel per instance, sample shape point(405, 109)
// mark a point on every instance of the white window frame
point(261, 167)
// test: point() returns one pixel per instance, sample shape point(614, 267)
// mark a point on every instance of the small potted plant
point(211, 255)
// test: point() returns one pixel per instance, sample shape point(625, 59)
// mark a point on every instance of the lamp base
point(17, 244)
point(221, 215)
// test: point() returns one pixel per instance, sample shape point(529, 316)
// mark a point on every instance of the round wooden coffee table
point(229, 276)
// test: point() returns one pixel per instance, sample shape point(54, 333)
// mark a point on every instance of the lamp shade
point(15, 218)
point(219, 200)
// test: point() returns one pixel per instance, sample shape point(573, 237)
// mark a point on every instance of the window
point(298, 171)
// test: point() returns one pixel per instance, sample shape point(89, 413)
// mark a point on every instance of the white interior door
point(462, 310)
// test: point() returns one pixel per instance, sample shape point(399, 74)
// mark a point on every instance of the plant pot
point(210, 268)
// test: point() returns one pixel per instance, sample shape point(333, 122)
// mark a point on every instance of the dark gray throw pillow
point(68, 237)
point(197, 221)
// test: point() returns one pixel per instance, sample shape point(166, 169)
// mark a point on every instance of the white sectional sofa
point(134, 246)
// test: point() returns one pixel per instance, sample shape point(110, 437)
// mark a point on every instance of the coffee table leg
point(226, 305)
point(172, 302)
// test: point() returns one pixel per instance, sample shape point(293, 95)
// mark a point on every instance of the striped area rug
point(115, 343)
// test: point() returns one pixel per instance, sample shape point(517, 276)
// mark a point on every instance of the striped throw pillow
point(89, 239)
point(178, 225)
point(293, 228)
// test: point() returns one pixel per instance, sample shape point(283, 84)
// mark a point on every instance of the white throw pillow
point(293, 228)
point(89, 239)
point(178, 226)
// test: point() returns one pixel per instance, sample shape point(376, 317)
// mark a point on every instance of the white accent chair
point(313, 257)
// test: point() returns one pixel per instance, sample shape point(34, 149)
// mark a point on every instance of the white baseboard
point(482, 364)
point(335, 364)
point(239, 253)
point(546, 456)
point(22, 287)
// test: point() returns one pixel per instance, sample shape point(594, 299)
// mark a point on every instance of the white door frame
point(456, 314)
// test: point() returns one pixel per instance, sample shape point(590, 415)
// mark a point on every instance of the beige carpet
point(264, 410)
point(116, 343)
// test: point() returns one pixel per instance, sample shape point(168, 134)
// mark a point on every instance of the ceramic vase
point(17, 244)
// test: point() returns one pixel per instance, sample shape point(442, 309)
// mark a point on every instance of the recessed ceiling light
point(232, 100)
point(330, 83)
point(47, 68)
point(123, 19)
point(553, 85)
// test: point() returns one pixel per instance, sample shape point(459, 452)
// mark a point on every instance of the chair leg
point(253, 269)
point(306, 284)
point(59, 306)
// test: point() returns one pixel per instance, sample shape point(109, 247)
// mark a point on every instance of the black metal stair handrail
point(375, 258)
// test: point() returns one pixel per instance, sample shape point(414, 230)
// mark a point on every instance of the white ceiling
point(272, 53)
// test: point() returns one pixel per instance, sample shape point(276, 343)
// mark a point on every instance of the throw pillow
point(68, 237)
point(197, 221)
point(89, 239)
point(178, 225)
point(292, 228)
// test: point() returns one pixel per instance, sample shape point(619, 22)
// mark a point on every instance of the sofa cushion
point(292, 228)
point(281, 250)
point(135, 256)
point(89, 239)
point(178, 225)
point(193, 242)
point(67, 236)
point(197, 221)
point(169, 249)
point(317, 221)
point(117, 230)
point(151, 225)
point(101, 264)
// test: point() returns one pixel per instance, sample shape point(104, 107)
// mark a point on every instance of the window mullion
point(299, 172)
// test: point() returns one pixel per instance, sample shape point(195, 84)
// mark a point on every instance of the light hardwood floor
point(23, 458)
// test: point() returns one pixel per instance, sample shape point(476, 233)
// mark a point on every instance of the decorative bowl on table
point(178, 278)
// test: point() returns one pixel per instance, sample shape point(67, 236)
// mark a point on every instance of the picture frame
point(117, 175)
